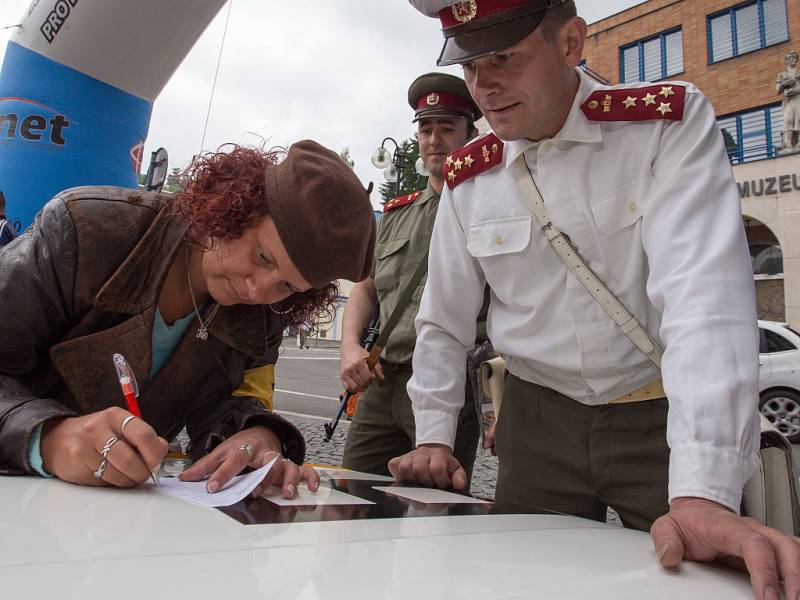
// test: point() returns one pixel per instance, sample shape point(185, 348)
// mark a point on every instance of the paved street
point(307, 390)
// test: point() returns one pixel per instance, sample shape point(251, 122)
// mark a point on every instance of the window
point(771, 342)
point(767, 259)
point(653, 58)
point(752, 135)
point(745, 28)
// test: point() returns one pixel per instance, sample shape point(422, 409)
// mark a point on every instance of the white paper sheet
point(429, 495)
point(325, 496)
point(335, 473)
point(194, 492)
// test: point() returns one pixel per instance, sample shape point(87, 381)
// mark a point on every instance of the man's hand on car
point(432, 465)
point(702, 530)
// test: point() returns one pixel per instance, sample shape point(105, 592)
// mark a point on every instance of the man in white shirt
point(639, 180)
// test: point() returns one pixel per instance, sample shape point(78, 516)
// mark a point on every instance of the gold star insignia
point(593, 104)
point(649, 99)
point(494, 148)
point(451, 175)
point(630, 102)
point(664, 108)
point(458, 164)
point(449, 161)
point(468, 160)
point(666, 91)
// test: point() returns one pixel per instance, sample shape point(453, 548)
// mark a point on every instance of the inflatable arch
point(77, 87)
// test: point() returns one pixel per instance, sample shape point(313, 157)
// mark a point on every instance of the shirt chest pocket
point(389, 259)
point(500, 237)
point(620, 209)
point(507, 257)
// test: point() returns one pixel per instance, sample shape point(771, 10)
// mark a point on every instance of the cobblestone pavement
point(319, 452)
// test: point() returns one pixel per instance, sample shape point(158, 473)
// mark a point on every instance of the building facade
point(733, 51)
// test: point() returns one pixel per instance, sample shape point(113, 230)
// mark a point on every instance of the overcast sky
point(336, 71)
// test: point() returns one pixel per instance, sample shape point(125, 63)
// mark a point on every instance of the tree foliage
point(345, 156)
point(174, 183)
point(410, 180)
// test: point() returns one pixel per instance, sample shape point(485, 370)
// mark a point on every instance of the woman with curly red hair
point(195, 291)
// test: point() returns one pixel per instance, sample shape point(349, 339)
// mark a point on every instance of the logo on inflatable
point(137, 152)
point(56, 18)
point(33, 127)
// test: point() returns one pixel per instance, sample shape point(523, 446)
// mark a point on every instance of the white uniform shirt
point(653, 208)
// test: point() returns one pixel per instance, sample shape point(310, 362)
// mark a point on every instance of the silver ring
point(109, 444)
point(101, 469)
point(127, 420)
point(249, 449)
point(268, 452)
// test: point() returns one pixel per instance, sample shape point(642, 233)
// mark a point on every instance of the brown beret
point(322, 213)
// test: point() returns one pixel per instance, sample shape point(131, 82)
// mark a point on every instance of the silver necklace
point(202, 331)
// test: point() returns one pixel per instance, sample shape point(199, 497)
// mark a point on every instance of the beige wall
point(777, 206)
point(334, 330)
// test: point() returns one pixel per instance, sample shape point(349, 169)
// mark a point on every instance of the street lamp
point(392, 167)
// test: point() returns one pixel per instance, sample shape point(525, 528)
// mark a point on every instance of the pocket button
point(632, 207)
point(498, 240)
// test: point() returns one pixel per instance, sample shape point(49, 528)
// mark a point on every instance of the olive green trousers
point(556, 454)
point(383, 427)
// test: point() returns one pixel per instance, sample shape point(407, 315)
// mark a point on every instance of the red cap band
point(464, 12)
point(443, 100)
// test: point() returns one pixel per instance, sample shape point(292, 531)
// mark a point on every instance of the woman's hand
point(231, 457)
point(71, 449)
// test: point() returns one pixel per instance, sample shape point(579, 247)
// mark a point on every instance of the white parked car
point(84, 543)
point(779, 377)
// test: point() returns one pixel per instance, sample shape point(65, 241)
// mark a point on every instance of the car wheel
point(782, 408)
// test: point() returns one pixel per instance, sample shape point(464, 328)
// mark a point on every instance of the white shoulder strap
point(575, 263)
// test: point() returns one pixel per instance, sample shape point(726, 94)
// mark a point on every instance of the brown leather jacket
point(83, 283)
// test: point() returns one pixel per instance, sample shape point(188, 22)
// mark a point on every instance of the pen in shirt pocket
point(130, 390)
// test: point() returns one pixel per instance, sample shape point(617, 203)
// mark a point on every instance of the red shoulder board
point(401, 201)
point(636, 104)
point(473, 159)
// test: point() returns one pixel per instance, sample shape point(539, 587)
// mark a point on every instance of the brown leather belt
point(652, 391)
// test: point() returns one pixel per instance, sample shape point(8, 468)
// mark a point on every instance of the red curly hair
point(223, 193)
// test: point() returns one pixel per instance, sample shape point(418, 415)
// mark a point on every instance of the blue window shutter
point(748, 32)
point(721, 32)
point(776, 26)
point(630, 61)
point(673, 44)
point(776, 125)
point(651, 58)
point(756, 133)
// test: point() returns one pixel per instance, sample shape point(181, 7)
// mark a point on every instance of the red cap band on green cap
point(464, 12)
point(443, 100)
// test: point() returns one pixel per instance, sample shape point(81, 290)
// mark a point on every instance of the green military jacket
point(404, 235)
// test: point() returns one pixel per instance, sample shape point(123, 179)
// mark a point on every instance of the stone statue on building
point(789, 85)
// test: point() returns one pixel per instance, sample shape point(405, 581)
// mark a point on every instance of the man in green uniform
point(383, 425)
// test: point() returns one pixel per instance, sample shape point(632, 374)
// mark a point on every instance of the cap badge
point(432, 99)
point(465, 11)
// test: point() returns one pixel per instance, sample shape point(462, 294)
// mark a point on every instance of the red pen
point(130, 390)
